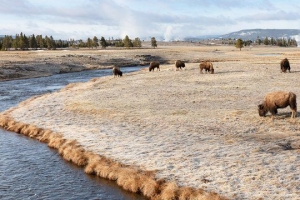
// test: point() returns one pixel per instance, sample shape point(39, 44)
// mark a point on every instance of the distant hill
point(253, 34)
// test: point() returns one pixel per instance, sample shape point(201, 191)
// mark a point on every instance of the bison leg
point(273, 111)
point(294, 114)
point(293, 104)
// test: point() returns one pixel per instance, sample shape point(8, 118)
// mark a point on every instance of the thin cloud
point(271, 16)
point(166, 19)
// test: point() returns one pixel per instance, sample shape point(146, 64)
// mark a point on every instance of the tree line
point(282, 42)
point(23, 42)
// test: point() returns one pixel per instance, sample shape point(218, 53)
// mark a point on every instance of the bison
point(285, 65)
point(179, 64)
point(208, 66)
point(154, 65)
point(275, 100)
point(117, 71)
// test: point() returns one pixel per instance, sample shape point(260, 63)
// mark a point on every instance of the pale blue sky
point(169, 19)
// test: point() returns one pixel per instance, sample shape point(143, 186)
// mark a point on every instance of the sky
point(163, 19)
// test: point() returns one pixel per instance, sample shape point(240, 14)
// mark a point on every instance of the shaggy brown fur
point(179, 64)
point(285, 65)
point(154, 65)
point(207, 66)
point(275, 100)
point(116, 71)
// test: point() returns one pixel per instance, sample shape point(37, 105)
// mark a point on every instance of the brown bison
point(154, 65)
point(207, 66)
point(117, 71)
point(179, 64)
point(275, 100)
point(285, 65)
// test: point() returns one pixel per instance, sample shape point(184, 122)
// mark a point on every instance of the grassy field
point(190, 129)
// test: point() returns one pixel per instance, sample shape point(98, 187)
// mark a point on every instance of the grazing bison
point(208, 66)
point(117, 71)
point(179, 64)
point(154, 65)
point(275, 100)
point(285, 65)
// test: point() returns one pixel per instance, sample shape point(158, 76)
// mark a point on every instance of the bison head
point(262, 110)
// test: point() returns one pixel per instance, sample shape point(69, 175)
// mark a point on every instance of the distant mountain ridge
point(253, 34)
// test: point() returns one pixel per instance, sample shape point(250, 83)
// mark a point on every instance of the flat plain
point(191, 129)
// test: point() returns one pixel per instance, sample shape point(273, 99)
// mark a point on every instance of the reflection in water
point(30, 169)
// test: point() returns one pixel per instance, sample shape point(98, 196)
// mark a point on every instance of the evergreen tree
point(258, 40)
point(266, 41)
point(40, 41)
point(153, 42)
point(25, 42)
point(21, 41)
point(95, 42)
point(272, 41)
point(103, 43)
point(47, 42)
point(15, 42)
point(127, 42)
point(119, 43)
point(6, 43)
point(137, 42)
point(82, 44)
point(239, 44)
point(53, 44)
point(89, 43)
point(59, 44)
point(32, 42)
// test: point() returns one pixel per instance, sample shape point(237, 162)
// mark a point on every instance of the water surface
point(30, 169)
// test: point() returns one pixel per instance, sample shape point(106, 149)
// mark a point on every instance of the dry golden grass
point(128, 178)
point(168, 191)
point(56, 141)
point(183, 125)
point(73, 152)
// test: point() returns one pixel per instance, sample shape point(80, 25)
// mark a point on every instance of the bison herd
point(272, 101)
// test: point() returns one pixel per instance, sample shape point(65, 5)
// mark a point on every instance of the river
point(30, 169)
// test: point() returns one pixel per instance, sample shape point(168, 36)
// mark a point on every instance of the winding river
point(29, 169)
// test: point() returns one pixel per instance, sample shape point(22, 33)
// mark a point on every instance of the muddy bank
point(31, 64)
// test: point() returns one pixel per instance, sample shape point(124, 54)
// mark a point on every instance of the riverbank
point(39, 63)
point(178, 133)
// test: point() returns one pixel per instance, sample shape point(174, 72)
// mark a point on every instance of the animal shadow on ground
point(294, 72)
point(226, 72)
point(284, 115)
